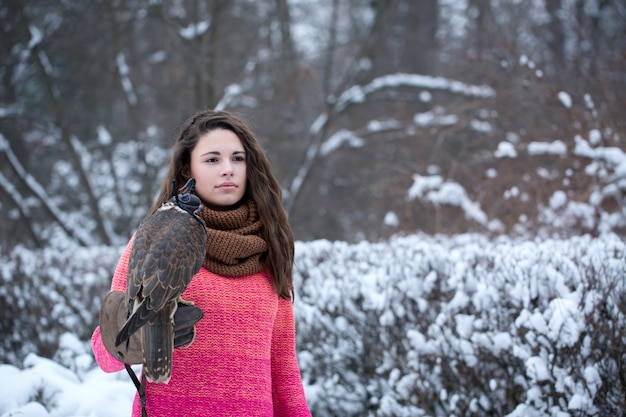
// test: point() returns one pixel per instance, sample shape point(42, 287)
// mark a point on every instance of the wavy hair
point(262, 187)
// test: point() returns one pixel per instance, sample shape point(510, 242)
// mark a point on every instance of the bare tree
point(339, 92)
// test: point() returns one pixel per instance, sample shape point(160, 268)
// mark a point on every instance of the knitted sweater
point(243, 360)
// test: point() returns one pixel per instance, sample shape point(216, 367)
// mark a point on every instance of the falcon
point(168, 250)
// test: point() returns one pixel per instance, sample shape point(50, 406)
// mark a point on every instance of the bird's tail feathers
point(158, 347)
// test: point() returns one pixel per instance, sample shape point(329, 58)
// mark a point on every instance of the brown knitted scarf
point(234, 242)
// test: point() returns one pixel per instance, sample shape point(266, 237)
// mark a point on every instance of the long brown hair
point(262, 187)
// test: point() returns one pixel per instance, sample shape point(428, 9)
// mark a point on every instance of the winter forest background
point(454, 171)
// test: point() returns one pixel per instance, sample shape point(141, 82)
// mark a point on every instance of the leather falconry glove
point(113, 315)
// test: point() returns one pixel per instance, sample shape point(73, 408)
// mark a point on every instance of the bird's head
point(186, 198)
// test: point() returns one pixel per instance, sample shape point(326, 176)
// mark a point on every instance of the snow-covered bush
point(415, 326)
point(46, 293)
point(463, 326)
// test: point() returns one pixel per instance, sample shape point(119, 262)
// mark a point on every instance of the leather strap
point(141, 388)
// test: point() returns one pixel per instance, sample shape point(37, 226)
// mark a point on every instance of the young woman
point(242, 361)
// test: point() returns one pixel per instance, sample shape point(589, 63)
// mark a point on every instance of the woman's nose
point(227, 169)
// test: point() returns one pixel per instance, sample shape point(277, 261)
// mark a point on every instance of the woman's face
point(218, 163)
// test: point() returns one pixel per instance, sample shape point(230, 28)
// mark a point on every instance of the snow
point(35, 36)
point(357, 94)
point(319, 123)
point(537, 369)
point(437, 191)
point(566, 322)
point(433, 316)
point(88, 393)
point(436, 117)
point(565, 99)
point(391, 219)
point(558, 200)
point(425, 97)
point(613, 156)
point(481, 126)
point(336, 140)
point(381, 126)
point(124, 72)
point(104, 136)
point(595, 137)
point(194, 30)
point(505, 150)
point(547, 148)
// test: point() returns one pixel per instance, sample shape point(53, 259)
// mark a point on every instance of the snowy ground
point(414, 326)
point(78, 393)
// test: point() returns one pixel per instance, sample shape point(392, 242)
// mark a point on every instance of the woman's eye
point(211, 160)
point(239, 158)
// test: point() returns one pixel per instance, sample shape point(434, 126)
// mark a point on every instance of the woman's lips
point(227, 186)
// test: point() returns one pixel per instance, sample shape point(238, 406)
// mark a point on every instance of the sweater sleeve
point(106, 361)
point(287, 390)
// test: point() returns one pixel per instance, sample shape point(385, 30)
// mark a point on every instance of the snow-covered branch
point(127, 85)
point(357, 94)
point(40, 194)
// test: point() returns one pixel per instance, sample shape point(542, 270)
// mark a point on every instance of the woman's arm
point(287, 389)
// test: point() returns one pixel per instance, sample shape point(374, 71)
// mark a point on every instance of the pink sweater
point(243, 360)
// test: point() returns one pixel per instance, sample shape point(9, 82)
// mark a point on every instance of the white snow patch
point(565, 99)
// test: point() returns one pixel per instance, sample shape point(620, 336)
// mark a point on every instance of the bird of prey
point(169, 249)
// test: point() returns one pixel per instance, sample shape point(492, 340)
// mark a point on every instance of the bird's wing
point(175, 257)
point(168, 251)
